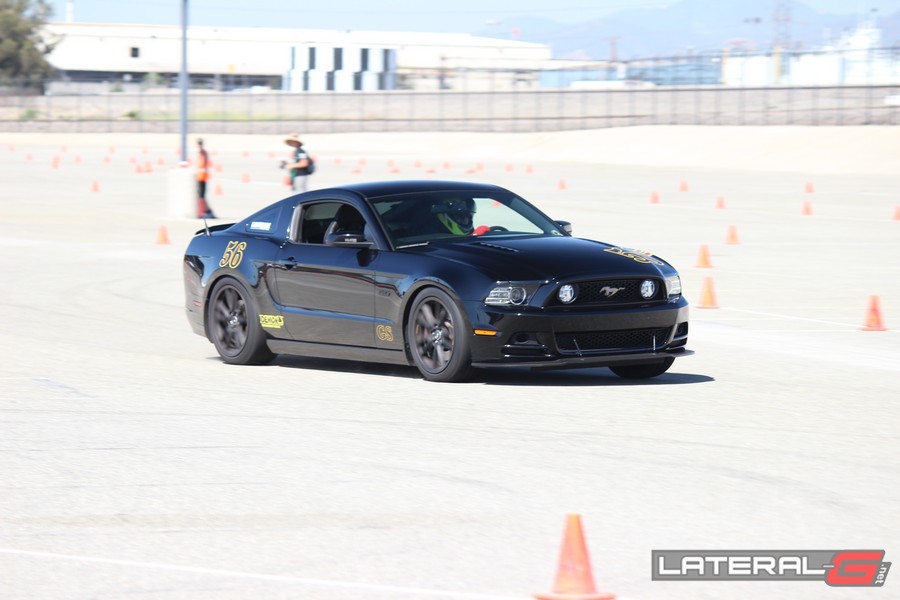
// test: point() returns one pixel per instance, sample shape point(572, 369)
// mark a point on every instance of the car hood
point(546, 257)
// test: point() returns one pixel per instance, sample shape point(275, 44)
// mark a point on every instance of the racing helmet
point(457, 215)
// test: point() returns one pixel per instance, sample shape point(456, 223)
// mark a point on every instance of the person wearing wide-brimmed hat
point(299, 164)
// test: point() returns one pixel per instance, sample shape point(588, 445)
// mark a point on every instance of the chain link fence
point(863, 88)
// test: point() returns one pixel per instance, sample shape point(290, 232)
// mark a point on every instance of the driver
point(458, 216)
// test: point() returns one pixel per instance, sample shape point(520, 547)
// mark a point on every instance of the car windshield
point(424, 217)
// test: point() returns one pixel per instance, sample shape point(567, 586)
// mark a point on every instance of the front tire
point(232, 325)
point(645, 371)
point(438, 338)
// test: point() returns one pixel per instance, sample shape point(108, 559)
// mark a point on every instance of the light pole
point(183, 80)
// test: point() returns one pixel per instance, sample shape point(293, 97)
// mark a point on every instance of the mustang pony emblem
point(609, 292)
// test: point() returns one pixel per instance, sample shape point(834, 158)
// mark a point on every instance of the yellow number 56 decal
point(234, 254)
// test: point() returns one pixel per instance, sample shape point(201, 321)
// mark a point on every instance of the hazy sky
point(400, 15)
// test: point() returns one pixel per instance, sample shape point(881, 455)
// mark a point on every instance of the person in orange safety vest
point(203, 167)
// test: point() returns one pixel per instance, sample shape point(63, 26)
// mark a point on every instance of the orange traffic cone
point(703, 258)
point(529, 169)
point(683, 186)
point(720, 202)
point(873, 318)
point(654, 197)
point(245, 177)
point(897, 214)
point(731, 238)
point(810, 188)
point(95, 186)
point(162, 235)
point(562, 184)
point(807, 208)
point(218, 190)
point(708, 295)
point(574, 579)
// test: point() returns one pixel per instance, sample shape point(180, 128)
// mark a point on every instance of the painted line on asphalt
point(372, 587)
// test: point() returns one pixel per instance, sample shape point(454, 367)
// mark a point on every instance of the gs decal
point(233, 255)
point(635, 256)
point(271, 321)
point(384, 333)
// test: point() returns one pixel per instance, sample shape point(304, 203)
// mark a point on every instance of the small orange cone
point(529, 169)
point(654, 197)
point(731, 238)
point(54, 163)
point(218, 167)
point(810, 188)
point(703, 258)
point(562, 184)
point(708, 295)
point(95, 186)
point(245, 177)
point(286, 181)
point(446, 165)
point(683, 186)
point(509, 168)
point(896, 213)
point(162, 235)
point(218, 190)
point(574, 579)
point(807, 208)
point(720, 202)
point(873, 318)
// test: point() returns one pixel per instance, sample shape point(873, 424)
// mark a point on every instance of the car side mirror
point(565, 226)
point(348, 239)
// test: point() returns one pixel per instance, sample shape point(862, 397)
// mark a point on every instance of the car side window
point(321, 218)
point(314, 220)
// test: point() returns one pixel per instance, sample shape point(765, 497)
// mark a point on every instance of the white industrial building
point(293, 60)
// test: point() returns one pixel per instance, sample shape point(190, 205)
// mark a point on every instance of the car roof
point(374, 189)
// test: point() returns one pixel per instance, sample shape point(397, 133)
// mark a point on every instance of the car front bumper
point(578, 338)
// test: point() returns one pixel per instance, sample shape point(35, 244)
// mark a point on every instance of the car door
point(327, 292)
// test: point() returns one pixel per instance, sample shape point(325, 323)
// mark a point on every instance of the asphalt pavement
point(135, 464)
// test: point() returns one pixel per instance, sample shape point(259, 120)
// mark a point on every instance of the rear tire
point(645, 371)
point(438, 337)
point(232, 324)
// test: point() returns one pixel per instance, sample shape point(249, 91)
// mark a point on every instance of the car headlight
point(506, 295)
point(512, 293)
point(673, 286)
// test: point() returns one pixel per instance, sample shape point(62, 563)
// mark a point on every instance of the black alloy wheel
point(438, 339)
point(233, 325)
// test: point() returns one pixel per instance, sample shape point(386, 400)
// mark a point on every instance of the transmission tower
point(782, 22)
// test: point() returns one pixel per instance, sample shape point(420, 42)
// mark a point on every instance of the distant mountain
point(687, 26)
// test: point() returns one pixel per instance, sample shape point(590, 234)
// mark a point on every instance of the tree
point(23, 44)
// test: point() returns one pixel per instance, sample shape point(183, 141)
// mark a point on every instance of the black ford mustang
point(445, 276)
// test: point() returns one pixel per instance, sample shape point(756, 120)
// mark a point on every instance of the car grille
point(607, 341)
point(597, 293)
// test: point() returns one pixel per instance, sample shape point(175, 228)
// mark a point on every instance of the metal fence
point(705, 89)
point(455, 111)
